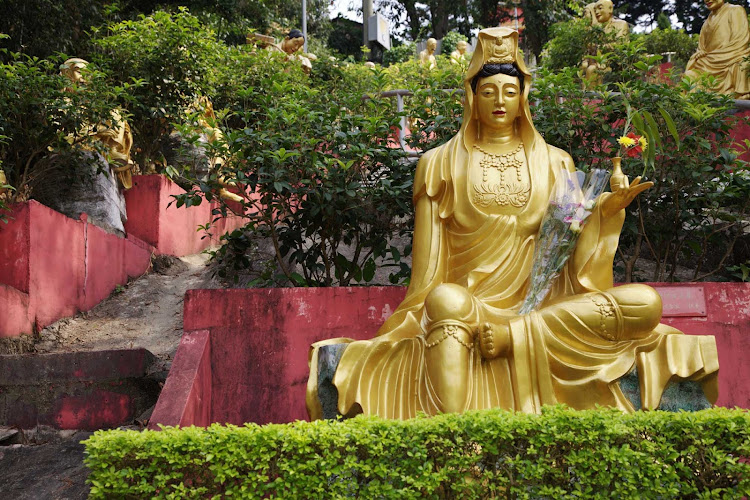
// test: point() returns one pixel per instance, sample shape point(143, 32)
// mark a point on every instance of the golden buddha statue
point(722, 48)
point(459, 55)
point(457, 341)
point(588, 13)
point(603, 10)
point(291, 45)
point(210, 132)
point(427, 56)
point(115, 133)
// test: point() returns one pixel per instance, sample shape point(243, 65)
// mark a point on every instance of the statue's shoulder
point(557, 155)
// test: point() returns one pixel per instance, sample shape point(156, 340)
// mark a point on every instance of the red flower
point(634, 151)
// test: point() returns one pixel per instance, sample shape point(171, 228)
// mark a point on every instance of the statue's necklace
point(501, 162)
point(503, 193)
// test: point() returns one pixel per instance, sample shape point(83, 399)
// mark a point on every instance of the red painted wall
point(77, 390)
point(259, 341)
point(170, 230)
point(52, 266)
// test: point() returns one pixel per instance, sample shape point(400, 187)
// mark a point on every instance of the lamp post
point(304, 23)
point(366, 14)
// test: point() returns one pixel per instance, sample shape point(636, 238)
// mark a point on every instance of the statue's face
point(714, 4)
point(498, 100)
point(431, 44)
point(603, 10)
point(292, 45)
point(461, 46)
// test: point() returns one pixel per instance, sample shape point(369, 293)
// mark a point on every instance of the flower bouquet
point(573, 197)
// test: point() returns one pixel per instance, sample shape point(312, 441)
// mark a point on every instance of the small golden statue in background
point(723, 46)
point(592, 71)
point(427, 56)
point(210, 133)
point(588, 13)
point(459, 56)
point(291, 45)
point(458, 341)
point(114, 133)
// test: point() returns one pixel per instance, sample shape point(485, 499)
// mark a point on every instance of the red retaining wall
point(253, 365)
point(171, 230)
point(52, 266)
point(83, 390)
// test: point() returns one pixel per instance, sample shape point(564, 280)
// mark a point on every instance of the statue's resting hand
point(623, 193)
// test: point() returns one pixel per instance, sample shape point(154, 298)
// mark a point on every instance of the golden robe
point(724, 43)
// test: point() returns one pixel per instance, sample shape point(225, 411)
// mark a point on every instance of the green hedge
point(558, 454)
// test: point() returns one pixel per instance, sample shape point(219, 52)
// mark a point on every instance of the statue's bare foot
point(494, 340)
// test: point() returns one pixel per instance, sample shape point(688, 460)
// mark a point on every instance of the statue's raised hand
point(623, 192)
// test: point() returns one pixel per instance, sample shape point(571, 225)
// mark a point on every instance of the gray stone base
point(94, 191)
point(684, 395)
point(328, 360)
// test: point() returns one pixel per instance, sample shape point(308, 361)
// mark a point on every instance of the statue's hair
point(295, 33)
point(495, 69)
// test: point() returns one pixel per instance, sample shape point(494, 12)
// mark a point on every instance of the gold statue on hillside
point(603, 10)
point(427, 56)
point(459, 56)
point(291, 45)
point(115, 133)
point(457, 341)
point(723, 46)
point(208, 128)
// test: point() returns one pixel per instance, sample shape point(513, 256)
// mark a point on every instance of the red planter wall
point(52, 266)
point(171, 230)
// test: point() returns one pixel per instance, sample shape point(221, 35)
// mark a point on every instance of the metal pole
point(366, 13)
point(304, 23)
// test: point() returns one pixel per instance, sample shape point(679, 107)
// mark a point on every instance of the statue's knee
point(449, 301)
point(640, 305)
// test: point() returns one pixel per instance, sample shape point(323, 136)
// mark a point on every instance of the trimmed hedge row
point(485, 454)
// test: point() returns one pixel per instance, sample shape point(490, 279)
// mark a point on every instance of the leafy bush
point(483, 454)
point(173, 57)
point(697, 209)
point(325, 185)
point(45, 126)
point(450, 42)
point(400, 53)
point(661, 41)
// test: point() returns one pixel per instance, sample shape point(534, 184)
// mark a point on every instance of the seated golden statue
point(591, 70)
point(115, 133)
point(588, 13)
point(457, 341)
point(427, 56)
point(290, 45)
point(459, 55)
point(723, 45)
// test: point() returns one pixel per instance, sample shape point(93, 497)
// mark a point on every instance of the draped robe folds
point(555, 358)
point(724, 43)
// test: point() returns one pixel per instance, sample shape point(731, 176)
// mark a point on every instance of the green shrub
point(174, 58)
point(328, 188)
point(698, 208)
point(661, 41)
point(450, 41)
point(46, 126)
point(400, 53)
point(483, 454)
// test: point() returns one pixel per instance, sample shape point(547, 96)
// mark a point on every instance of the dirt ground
point(147, 312)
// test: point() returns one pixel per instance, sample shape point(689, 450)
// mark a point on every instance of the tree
point(435, 18)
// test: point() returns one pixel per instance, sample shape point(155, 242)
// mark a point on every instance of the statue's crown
point(501, 50)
